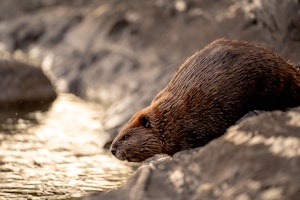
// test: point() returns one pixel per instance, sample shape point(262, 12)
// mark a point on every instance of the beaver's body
point(209, 92)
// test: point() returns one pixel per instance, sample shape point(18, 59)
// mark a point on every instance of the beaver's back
point(239, 75)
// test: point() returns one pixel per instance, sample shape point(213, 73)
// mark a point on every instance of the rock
point(259, 158)
point(23, 85)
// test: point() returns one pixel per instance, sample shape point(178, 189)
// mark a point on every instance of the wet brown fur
point(211, 91)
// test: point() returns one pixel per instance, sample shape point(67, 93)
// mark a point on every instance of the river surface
point(57, 154)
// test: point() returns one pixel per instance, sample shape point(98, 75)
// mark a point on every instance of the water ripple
point(57, 154)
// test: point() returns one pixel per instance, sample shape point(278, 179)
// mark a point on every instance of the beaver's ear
point(145, 121)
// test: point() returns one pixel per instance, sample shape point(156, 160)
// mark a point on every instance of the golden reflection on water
point(57, 154)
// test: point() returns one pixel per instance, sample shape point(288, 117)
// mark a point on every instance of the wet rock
point(23, 85)
point(257, 159)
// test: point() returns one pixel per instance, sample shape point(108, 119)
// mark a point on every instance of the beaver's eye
point(125, 137)
point(145, 122)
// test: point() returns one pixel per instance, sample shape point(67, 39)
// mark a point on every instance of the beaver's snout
point(115, 148)
point(118, 153)
point(113, 151)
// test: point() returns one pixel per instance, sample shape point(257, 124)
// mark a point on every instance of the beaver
point(209, 92)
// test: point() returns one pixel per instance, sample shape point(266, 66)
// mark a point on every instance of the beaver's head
point(153, 130)
point(139, 138)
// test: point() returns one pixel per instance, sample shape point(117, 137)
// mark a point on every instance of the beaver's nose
point(113, 151)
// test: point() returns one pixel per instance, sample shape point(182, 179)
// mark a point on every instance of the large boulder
point(23, 85)
point(257, 159)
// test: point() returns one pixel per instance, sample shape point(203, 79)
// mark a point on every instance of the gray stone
point(23, 85)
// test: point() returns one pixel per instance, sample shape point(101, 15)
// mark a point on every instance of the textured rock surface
point(257, 159)
point(23, 85)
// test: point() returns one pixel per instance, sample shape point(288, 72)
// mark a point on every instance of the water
point(56, 154)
